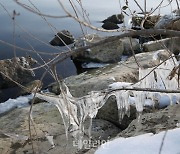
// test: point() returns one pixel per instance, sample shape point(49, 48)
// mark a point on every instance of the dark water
point(27, 22)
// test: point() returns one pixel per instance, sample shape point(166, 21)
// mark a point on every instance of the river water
point(28, 24)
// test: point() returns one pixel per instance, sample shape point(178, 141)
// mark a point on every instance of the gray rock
point(16, 69)
point(110, 26)
point(116, 18)
point(169, 43)
point(105, 53)
point(62, 38)
point(47, 122)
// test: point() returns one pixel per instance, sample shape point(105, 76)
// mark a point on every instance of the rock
point(129, 45)
point(110, 26)
point(17, 69)
point(105, 53)
point(175, 25)
point(155, 122)
point(111, 22)
point(100, 79)
point(171, 43)
point(110, 112)
point(116, 19)
point(169, 21)
point(149, 22)
point(62, 38)
point(14, 132)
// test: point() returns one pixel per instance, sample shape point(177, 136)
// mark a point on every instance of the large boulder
point(105, 53)
point(16, 70)
point(47, 132)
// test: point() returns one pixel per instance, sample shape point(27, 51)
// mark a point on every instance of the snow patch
point(19, 102)
point(143, 144)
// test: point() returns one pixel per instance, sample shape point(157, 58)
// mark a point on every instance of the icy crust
point(75, 111)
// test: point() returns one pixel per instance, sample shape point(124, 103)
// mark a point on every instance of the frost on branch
point(75, 111)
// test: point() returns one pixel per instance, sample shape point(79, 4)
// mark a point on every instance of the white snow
point(143, 144)
point(117, 85)
point(19, 102)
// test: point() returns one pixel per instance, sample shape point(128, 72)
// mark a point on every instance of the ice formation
point(75, 111)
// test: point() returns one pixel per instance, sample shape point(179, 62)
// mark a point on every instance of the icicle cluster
point(75, 111)
point(156, 78)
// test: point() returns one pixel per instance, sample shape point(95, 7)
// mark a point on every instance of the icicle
point(122, 99)
point(90, 126)
point(140, 100)
point(158, 77)
point(139, 121)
